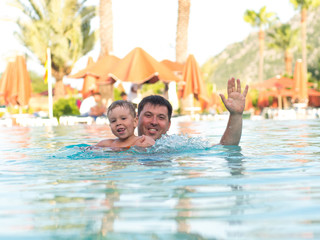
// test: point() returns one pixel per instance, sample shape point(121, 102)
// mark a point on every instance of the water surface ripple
point(185, 187)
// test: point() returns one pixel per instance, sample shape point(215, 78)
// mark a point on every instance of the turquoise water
point(268, 188)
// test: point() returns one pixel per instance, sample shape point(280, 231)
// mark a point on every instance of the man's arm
point(235, 105)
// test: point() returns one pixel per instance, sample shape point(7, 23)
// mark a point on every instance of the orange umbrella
point(96, 72)
point(100, 69)
point(263, 100)
point(15, 83)
point(314, 98)
point(82, 73)
point(89, 82)
point(103, 67)
point(5, 85)
point(300, 82)
point(248, 104)
point(275, 83)
point(140, 67)
point(192, 77)
point(174, 66)
point(313, 93)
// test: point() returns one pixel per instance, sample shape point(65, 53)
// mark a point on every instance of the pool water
point(51, 187)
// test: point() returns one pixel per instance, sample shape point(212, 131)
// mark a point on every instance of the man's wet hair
point(155, 100)
point(124, 104)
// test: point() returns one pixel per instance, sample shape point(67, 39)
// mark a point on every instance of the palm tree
point(259, 19)
point(304, 6)
point(106, 43)
point(106, 27)
point(182, 30)
point(64, 26)
point(283, 38)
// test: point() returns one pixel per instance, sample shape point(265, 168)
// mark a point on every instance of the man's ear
point(169, 125)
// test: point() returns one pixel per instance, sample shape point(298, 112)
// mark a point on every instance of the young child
point(123, 121)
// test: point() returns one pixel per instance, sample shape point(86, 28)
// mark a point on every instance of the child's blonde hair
point(124, 104)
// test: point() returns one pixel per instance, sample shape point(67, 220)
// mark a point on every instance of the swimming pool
point(268, 188)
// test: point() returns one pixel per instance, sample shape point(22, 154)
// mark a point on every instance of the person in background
point(124, 96)
point(154, 114)
point(91, 106)
point(123, 121)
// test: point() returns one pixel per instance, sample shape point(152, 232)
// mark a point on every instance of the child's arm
point(144, 141)
point(103, 143)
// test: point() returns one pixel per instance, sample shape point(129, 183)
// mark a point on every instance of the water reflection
point(211, 200)
point(235, 159)
point(220, 192)
point(13, 141)
point(112, 196)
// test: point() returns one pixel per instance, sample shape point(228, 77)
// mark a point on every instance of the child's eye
point(124, 118)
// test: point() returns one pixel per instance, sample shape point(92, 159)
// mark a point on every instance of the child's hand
point(144, 141)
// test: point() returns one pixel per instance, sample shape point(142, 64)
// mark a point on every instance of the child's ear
point(135, 122)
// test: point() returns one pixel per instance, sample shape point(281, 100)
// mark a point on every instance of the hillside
point(241, 59)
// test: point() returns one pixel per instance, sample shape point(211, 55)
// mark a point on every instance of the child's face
point(122, 123)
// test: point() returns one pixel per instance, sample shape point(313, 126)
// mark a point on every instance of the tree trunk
point(182, 30)
point(261, 49)
point(304, 38)
point(106, 27)
point(288, 61)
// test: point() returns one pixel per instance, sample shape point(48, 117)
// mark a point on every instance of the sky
point(151, 25)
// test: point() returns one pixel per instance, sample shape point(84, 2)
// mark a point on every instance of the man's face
point(153, 121)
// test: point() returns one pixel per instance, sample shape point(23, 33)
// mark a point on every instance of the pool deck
point(267, 113)
point(289, 114)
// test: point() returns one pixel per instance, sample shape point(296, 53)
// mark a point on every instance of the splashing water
point(166, 144)
point(178, 143)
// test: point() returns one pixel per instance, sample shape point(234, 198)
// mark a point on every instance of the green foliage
point(306, 4)
point(258, 19)
point(18, 110)
point(64, 26)
point(254, 95)
point(37, 83)
point(116, 94)
point(155, 88)
point(240, 60)
point(283, 37)
point(65, 107)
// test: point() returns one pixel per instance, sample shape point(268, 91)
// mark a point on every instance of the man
point(154, 113)
point(91, 106)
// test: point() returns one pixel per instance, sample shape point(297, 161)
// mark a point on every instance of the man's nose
point(154, 120)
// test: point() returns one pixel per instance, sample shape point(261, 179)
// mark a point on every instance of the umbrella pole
point(50, 101)
point(280, 102)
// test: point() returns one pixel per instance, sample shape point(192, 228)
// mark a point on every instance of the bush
point(65, 107)
point(37, 83)
point(116, 94)
point(154, 88)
